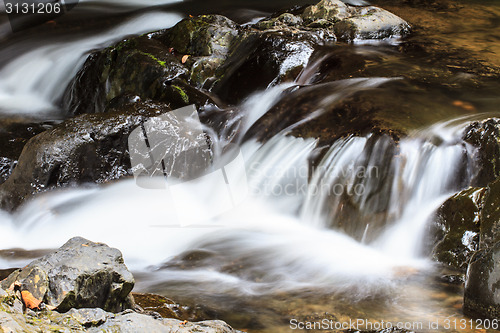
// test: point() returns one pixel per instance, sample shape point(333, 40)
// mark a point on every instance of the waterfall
point(286, 234)
point(384, 192)
point(33, 83)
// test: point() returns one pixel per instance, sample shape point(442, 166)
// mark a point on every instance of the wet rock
point(8, 323)
point(206, 39)
point(352, 22)
point(276, 55)
point(482, 289)
point(202, 35)
point(13, 136)
point(80, 274)
point(320, 111)
point(214, 53)
point(490, 216)
point(88, 148)
point(139, 66)
point(88, 317)
point(166, 308)
point(485, 137)
point(130, 322)
point(457, 228)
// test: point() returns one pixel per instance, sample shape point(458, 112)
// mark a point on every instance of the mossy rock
point(485, 137)
point(203, 35)
point(140, 66)
point(355, 22)
point(457, 228)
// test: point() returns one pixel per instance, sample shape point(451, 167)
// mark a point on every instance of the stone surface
point(130, 322)
point(88, 148)
point(13, 136)
point(485, 137)
point(457, 228)
point(482, 289)
point(80, 274)
point(352, 22)
point(490, 216)
point(141, 67)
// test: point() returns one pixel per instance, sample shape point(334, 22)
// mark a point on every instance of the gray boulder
point(131, 322)
point(353, 22)
point(81, 274)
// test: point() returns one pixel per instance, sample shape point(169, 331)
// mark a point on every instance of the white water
point(32, 83)
point(266, 233)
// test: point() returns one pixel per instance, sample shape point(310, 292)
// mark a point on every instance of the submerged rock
point(140, 67)
point(81, 274)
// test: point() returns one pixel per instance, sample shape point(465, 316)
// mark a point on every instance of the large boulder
point(276, 55)
point(211, 52)
point(482, 289)
point(81, 274)
point(132, 322)
point(88, 148)
point(485, 137)
point(354, 22)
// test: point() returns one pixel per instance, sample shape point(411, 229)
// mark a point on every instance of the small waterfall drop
point(383, 192)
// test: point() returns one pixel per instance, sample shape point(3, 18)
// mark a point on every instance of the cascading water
point(34, 82)
point(351, 226)
point(263, 232)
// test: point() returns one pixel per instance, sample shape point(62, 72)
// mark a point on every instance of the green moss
point(161, 63)
point(183, 94)
point(123, 44)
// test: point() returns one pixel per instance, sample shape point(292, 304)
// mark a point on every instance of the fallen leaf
point(185, 58)
point(464, 105)
point(29, 300)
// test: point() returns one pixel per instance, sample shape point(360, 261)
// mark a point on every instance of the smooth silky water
point(284, 252)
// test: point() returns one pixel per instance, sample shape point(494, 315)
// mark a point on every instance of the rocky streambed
point(340, 71)
point(84, 287)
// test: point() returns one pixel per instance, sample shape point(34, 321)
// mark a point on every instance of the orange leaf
point(185, 58)
point(29, 300)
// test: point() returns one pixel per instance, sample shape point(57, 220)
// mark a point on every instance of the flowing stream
point(286, 245)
